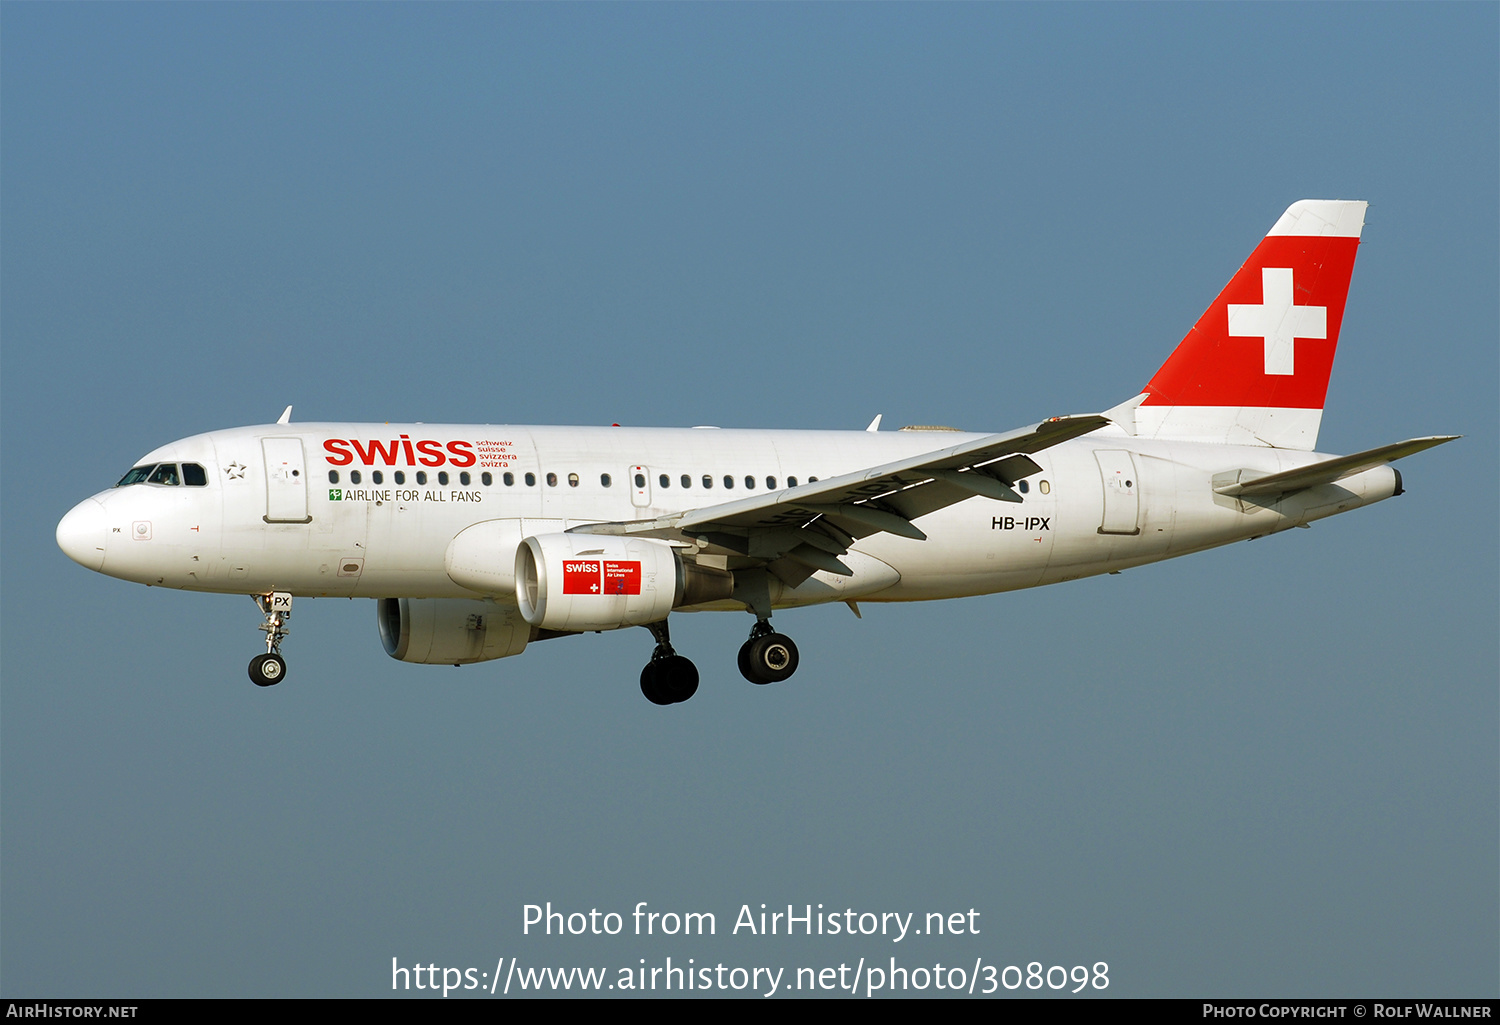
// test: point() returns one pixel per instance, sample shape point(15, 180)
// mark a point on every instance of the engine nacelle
point(602, 582)
point(483, 556)
point(450, 631)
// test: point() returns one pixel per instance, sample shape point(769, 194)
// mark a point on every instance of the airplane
point(477, 540)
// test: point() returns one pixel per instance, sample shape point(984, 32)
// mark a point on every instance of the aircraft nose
point(82, 533)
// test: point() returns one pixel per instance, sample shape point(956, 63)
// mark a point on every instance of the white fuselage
point(262, 522)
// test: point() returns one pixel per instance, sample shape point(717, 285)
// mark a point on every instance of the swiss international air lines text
point(907, 974)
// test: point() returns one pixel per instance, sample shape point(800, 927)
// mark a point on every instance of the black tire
point(747, 670)
point(267, 670)
point(677, 677)
point(651, 686)
point(768, 659)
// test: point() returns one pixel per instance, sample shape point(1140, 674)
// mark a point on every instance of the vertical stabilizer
point(1254, 370)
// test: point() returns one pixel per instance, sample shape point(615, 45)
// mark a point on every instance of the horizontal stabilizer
point(1326, 472)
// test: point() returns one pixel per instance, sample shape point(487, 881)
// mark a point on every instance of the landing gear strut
point(668, 677)
point(767, 657)
point(270, 669)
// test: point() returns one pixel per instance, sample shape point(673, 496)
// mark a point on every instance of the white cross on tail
point(1277, 320)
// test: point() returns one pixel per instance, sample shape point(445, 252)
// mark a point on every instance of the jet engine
point(482, 557)
point(600, 582)
point(450, 631)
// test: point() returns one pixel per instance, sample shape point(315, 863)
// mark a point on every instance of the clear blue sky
point(1267, 770)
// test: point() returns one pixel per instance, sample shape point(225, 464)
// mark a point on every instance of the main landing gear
point(269, 669)
point(767, 657)
point(668, 677)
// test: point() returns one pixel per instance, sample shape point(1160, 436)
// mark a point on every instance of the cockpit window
point(166, 473)
point(193, 475)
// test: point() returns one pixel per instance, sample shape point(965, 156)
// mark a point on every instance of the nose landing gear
point(668, 677)
point(270, 669)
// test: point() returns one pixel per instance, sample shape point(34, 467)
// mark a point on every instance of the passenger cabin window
point(640, 480)
point(552, 480)
point(421, 477)
point(400, 476)
point(749, 482)
point(486, 478)
point(664, 481)
point(464, 478)
point(687, 481)
point(791, 482)
point(509, 478)
point(1023, 487)
point(354, 477)
point(770, 483)
point(376, 477)
point(333, 476)
point(443, 478)
point(166, 473)
point(728, 481)
point(708, 482)
point(604, 480)
point(531, 480)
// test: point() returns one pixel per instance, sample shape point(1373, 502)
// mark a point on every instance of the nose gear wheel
point(267, 670)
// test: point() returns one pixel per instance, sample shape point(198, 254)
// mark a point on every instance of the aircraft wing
point(814, 523)
point(1326, 472)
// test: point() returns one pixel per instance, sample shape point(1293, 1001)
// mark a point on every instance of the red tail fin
point(1254, 369)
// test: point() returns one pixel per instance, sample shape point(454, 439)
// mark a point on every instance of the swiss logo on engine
point(587, 576)
point(580, 577)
